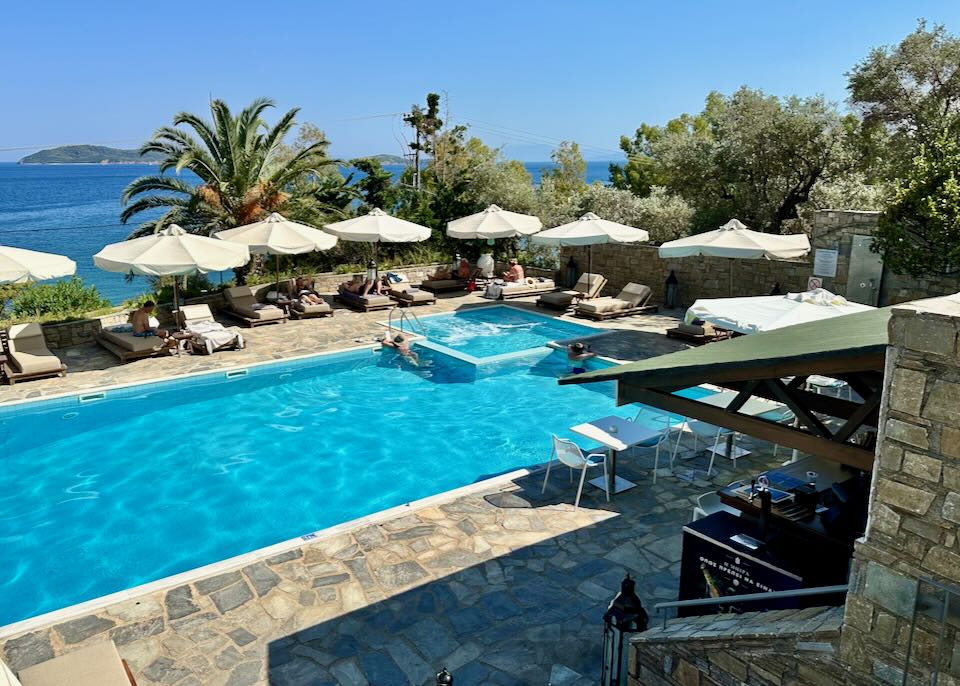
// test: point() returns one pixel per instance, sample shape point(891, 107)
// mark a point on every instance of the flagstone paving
point(501, 586)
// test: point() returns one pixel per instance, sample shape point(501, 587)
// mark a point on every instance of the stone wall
point(915, 504)
point(711, 277)
point(68, 334)
point(796, 647)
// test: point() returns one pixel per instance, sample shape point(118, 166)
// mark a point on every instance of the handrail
point(747, 597)
point(405, 317)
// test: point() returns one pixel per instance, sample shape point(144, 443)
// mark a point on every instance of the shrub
point(63, 298)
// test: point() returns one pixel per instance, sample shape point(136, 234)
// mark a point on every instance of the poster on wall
point(712, 569)
point(825, 262)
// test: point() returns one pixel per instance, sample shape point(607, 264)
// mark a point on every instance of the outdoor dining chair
point(570, 454)
point(706, 431)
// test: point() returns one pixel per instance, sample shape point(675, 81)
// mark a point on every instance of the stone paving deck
point(502, 586)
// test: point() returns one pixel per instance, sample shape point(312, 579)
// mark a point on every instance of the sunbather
point(577, 354)
point(465, 270)
point(401, 344)
point(142, 326)
point(361, 286)
point(515, 273)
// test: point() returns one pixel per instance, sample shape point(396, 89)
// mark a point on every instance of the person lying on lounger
point(362, 287)
point(577, 354)
point(401, 344)
point(514, 274)
point(142, 327)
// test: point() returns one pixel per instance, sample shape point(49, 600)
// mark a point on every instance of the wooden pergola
point(774, 365)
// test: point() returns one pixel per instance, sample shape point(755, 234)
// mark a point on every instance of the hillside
point(387, 159)
point(89, 154)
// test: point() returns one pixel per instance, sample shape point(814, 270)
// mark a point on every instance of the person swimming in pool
point(401, 344)
point(577, 354)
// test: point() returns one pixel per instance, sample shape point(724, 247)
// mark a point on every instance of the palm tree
point(245, 172)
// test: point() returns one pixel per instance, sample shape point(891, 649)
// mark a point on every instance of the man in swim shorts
point(401, 344)
point(142, 327)
point(577, 354)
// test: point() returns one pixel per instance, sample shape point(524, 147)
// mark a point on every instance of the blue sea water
point(74, 210)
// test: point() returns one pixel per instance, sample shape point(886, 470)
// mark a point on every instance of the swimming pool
point(106, 491)
point(486, 332)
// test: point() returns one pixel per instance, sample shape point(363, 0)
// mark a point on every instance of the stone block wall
point(68, 334)
point(915, 503)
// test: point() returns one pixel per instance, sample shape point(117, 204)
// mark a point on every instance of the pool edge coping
point(237, 562)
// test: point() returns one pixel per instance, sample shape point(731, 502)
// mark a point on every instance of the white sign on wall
point(825, 262)
point(814, 282)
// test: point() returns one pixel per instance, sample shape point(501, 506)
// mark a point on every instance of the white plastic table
point(616, 434)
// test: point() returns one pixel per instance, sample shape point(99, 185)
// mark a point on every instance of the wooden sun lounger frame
point(250, 322)
point(401, 302)
point(461, 284)
point(614, 314)
point(125, 355)
point(699, 339)
point(12, 376)
point(360, 306)
point(297, 314)
point(526, 292)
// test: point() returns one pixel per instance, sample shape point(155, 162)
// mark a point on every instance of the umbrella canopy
point(492, 223)
point(277, 235)
point(18, 265)
point(767, 312)
point(590, 230)
point(734, 240)
point(378, 227)
point(171, 252)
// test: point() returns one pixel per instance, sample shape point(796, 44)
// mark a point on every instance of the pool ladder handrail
point(410, 318)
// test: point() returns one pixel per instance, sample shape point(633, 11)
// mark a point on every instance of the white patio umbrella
point(768, 312)
point(276, 235)
point(171, 252)
point(493, 223)
point(590, 230)
point(378, 227)
point(19, 265)
point(734, 240)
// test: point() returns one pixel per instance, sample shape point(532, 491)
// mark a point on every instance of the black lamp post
point(372, 271)
point(444, 678)
point(624, 617)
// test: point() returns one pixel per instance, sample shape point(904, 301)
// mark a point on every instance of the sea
point(74, 210)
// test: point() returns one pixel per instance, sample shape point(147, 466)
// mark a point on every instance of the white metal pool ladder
point(406, 317)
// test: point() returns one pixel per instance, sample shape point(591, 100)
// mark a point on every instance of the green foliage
point(64, 298)
point(910, 92)
point(747, 155)
point(569, 175)
point(376, 187)
point(919, 233)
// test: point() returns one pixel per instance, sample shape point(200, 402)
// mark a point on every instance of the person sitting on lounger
point(514, 274)
point(361, 286)
point(464, 270)
point(142, 326)
point(401, 344)
point(577, 354)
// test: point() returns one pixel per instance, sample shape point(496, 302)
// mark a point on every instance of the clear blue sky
point(111, 72)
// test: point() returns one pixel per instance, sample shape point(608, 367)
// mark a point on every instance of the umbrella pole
point(176, 301)
point(731, 277)
point(589, 268)
point(278, 274)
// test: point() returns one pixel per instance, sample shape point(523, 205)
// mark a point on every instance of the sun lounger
point(98, 664)
point(633, 299)
point(242, 305)
point(530, 286)
point(407, 295)
point(450, 285)
point(363, 303)
point(28, 356)
point(207, 335)
point(301, 310)
point(588, 286)
point(699, 335)
point(121, 342)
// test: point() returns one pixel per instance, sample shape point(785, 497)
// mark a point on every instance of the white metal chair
point(709, 503)
point(701, 429)
point(570, 454)
point(650, 416)
point(781, 414)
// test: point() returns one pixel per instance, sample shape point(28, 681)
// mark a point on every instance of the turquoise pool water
point(488, 331)
point(157, 479)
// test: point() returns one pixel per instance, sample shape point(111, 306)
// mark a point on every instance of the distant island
point(90, 154)
point(385, 159)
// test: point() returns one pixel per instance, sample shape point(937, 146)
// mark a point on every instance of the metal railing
point(406, 317)
point(937, 606)
point(748, 597)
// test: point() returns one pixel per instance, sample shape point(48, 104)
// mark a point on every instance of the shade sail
point(492, 223)
point(171, 252)
point(378, 227)
point(734, 240)
point(590, 230)
point(277, 235)
point(18, 265)
point(768, 312)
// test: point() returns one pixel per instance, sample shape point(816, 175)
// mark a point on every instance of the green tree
point(243, 168)
point(919, 233)
point(909, 92)
point(376, 187)
point(426, 124)
point(569, 174)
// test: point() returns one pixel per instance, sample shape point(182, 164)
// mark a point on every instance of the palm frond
point(204, 131)
point(152, 202)
point(147, 184)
